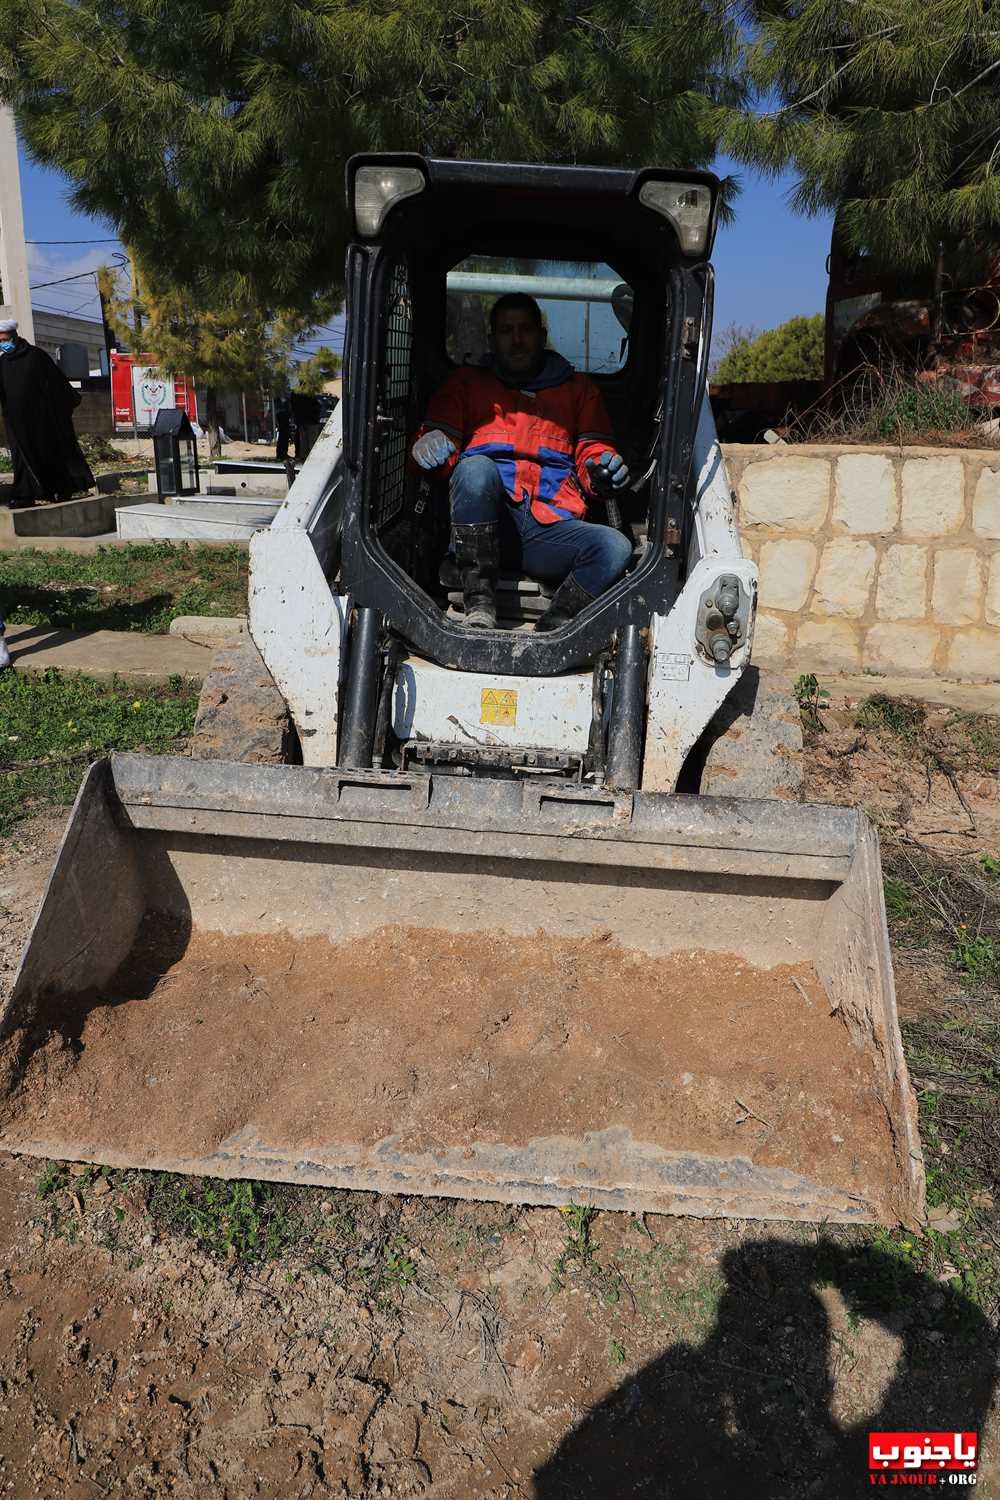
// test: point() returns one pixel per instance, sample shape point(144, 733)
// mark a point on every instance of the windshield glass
point(574, 296)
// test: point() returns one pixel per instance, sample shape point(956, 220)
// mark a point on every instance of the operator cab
point(617, 261)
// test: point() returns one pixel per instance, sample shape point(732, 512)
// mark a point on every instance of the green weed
point(976, 955)
point(54, 1177)
point(241, 1221)
point(809, 696)
point(905, 411)
point(579, 1253)
point(616, 1353)
point(53, 725)
point(990, 866)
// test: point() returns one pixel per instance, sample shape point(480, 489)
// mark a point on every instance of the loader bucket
point(522, 991)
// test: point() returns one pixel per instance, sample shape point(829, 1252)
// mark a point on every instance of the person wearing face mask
point(37, 402)
point(525, 440)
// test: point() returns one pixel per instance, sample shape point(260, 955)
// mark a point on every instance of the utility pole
point(15, 297)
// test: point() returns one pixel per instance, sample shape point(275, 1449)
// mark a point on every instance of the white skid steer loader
point(484, 939)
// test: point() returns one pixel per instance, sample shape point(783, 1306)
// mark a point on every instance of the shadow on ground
point(753, 1411)
point(80, 609)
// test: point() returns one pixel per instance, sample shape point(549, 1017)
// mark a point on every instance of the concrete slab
point(88, 544)
point(196, 522)
point(971, 697)
point(105, 653)
point(268, 486)
point(94, 515)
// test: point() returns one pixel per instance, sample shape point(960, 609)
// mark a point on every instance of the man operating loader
point(526, 441)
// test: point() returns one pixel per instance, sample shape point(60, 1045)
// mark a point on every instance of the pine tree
point(214, 133)
point(792, 351)
point(889, 112)
point(219, 345)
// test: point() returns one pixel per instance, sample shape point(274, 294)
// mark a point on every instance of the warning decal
point(498, 706)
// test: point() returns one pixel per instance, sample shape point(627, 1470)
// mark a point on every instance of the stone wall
point(881, 558)
point(93, 415)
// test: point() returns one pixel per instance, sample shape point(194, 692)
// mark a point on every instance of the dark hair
point(514, 302)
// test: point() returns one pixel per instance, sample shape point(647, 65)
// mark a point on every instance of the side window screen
point(389, 479)
point(581, 302)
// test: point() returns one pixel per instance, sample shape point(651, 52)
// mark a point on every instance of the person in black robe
point(37, 402)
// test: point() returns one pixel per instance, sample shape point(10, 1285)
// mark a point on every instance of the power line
point(115, 241)
point(37, 286)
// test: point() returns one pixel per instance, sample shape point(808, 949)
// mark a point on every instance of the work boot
point(449, 573)
point(477, 554)
point(567, 602)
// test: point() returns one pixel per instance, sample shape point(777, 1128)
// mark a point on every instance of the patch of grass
point(900, 900)
point(989, 866)
point(905, 411)
point(616, 1353)
point(141, 587)
point(977, 955)
point(902, 717)
point(240, 1221)
point(51, 726)
point(950, 906)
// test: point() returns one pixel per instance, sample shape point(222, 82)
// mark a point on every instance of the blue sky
point(769, 264)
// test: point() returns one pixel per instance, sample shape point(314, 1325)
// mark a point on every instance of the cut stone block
point(959, 576)
point(791, 493)
point(770, 638)
point(975, 653)
point(993, 592)
point(933, 496)
point(828, 645)
point(865, 501)
point(844, 580)
point(786, 573)
point(905, 648)
point(986, 505)
point(902, 583)
point(241, 713)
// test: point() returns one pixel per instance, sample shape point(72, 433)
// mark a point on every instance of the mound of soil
point(440, 1041)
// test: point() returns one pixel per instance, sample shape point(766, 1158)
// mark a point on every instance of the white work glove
point(433, 449)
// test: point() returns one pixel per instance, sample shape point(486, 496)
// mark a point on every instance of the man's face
point(518, 339)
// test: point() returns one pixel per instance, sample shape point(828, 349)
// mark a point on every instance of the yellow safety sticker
point(498, 706)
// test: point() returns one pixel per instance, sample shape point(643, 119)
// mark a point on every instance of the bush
point(793, 351)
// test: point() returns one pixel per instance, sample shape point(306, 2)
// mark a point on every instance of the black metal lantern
point(175, 453)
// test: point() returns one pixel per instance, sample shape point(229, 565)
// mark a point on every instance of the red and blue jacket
point(539, 436)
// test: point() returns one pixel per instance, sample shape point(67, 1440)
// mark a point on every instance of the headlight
point(376, 189)
point(688, 206)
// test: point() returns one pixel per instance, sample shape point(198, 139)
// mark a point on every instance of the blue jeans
point(597, 556)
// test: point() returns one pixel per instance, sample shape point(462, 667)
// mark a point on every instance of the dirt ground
point(161, 1338)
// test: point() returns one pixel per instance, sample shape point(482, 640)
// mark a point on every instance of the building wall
point(881, 558)
point(54, 329)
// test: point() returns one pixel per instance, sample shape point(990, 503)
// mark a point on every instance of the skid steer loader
point(482, 940)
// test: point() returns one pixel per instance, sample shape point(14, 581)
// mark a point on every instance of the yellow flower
point(136, 705)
